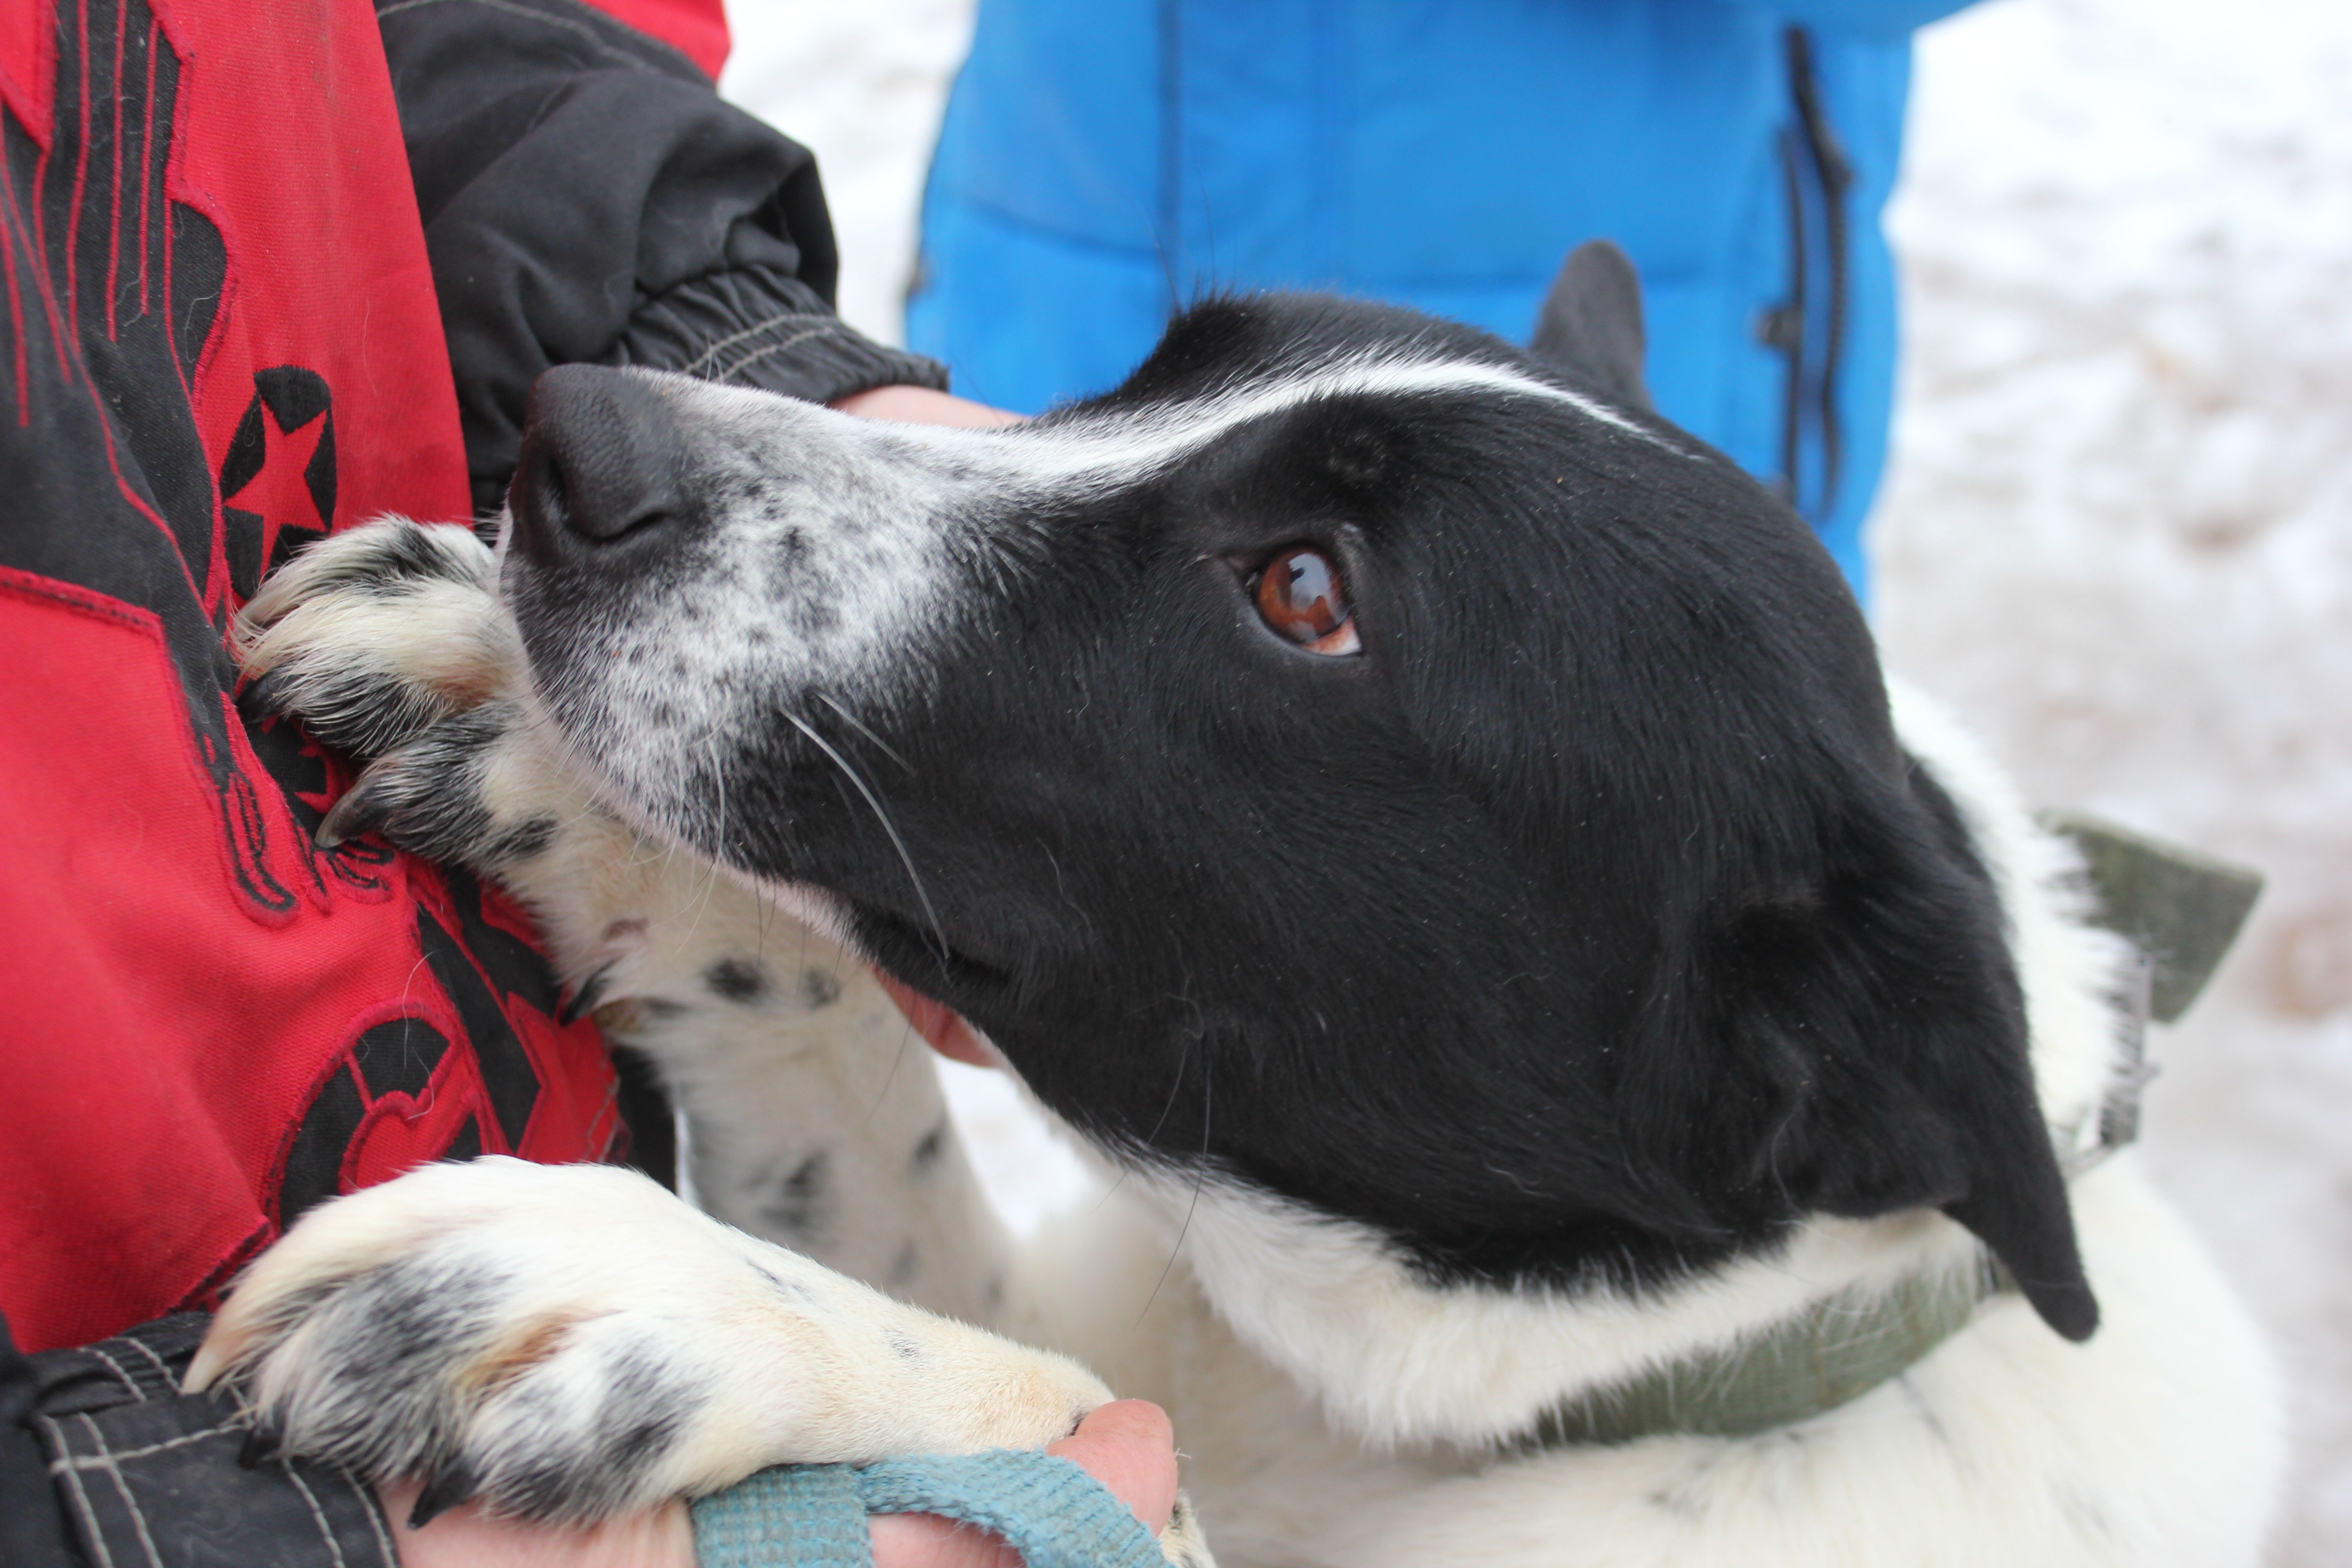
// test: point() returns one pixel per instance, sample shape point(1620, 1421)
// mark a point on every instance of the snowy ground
point(2118, 536)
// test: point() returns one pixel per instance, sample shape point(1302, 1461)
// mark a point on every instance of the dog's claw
point(263, 693)
point(261, 1446)
point(584, 1000)
point(452, 1484)
point(361, 811)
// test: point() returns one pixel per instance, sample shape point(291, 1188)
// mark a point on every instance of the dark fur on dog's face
point(1590, 923)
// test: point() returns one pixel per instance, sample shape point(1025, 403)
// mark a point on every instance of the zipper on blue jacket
point(1182, 286)
point(1809, 327)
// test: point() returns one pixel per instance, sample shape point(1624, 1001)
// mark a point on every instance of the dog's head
point(1353, 757)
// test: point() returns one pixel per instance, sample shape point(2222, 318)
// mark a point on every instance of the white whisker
point(889, 826)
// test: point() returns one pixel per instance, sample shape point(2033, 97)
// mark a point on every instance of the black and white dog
point(1592, 1076)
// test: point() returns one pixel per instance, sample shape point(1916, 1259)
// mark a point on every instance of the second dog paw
point(572, 1342)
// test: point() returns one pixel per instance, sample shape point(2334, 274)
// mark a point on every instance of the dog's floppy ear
point(1591, 324)
point(1865, 1038)
point(1957, 1048)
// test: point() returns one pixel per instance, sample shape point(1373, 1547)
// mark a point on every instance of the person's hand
point(921, 405)
point(465, 1537)
point(1129, 1447)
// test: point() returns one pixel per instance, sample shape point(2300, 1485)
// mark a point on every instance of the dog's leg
point(815, 1115)
point(816, 1118)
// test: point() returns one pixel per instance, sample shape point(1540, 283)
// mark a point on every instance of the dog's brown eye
point(1298, 595)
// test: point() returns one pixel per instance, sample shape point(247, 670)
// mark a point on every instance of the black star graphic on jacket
point(288, 427)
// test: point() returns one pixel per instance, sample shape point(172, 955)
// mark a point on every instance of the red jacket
point(222, 339)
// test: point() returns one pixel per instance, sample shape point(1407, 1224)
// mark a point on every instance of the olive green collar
point(1836, 1350)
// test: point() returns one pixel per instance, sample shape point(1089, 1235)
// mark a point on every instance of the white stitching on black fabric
point(115, 1367)
point(326, 1531)
point(91, 1530)
point(122, 1485)
point(374, 1512)
point(160, 1366)
point(741, 365)
point(92, 1462)
point(712, 351)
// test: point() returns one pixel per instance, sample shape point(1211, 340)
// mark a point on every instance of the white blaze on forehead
point(1121, 444)
point(1112, 446)
point(1180, 427)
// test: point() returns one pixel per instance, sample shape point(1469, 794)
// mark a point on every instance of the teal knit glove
point(813, 1516)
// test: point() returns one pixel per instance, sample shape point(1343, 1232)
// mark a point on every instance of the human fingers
point(1129, 1446)
point(921, 405)
point(465, 1537)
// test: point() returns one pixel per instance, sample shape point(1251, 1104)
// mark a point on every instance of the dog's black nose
point(602, 457)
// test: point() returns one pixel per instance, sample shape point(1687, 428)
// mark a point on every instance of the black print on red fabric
point(393, 1057)
point(287, 400)
point(111, 288)
point(467, 1144)
point(511, 964)
point(507, 1070)
point(398, 1058)
point(301, 767)
point(314, 1165)
point(108, 290)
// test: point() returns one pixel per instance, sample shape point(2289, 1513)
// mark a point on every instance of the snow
point(2116, 535)
point(864, 87)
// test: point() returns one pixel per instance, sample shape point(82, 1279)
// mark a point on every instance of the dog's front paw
point(389, 642)
point(377, 633)
point(372, 636)
point(570, 1343)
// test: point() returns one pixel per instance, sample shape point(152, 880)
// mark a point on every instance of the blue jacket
point(1103, 160)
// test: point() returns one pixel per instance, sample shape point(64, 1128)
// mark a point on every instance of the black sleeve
point(588, 198)
point(104, 1462)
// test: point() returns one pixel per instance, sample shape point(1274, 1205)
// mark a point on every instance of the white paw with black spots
point(389, 642)
point(376, 633)
point(478, 788)
point(571, 1343)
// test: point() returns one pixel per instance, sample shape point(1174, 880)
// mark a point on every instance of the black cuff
point(587, 199)
point(759, 326)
